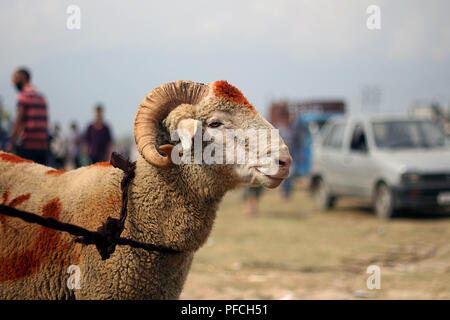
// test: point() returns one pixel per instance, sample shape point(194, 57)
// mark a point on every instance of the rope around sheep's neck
point(108, 234)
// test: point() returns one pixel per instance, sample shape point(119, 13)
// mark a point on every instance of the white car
point(396, 161)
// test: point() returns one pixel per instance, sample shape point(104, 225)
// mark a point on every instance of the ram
point(168, 205)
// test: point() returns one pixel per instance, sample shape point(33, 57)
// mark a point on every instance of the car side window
point(359, 140)
point(335, 137)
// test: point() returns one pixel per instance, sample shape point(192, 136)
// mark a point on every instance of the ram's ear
point(186, 129)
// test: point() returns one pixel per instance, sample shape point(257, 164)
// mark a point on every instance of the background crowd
point(31, 137)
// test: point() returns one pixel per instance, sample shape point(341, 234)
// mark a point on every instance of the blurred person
point(97, 139)
point(74, 146)
point(3, 138)
point(251, 198)
point(3, 132)
point(5, 129)
point(58, 148)
point(30, 125)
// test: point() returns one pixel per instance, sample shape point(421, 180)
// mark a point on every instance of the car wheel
point(324, 199)
point(384, 204)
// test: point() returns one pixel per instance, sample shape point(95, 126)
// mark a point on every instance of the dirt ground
point(293, 251)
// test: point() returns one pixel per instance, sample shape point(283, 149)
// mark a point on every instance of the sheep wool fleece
point(34, 260)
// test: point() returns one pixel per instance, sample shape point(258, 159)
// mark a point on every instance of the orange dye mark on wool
point(45, 248)
point(100, 164)
point(8, 157)
point(55, 173)
point(231, 93)
point(13, 203)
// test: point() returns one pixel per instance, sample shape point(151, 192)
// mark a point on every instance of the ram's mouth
point(269, 175)
point(267, 180)
point(280, 174)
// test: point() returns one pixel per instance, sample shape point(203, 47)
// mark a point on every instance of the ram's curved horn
point(154, 108)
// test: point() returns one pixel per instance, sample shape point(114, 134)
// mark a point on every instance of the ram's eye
point(215, 124)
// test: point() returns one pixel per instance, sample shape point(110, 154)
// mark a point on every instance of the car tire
point(384, 202)
point(324, 199)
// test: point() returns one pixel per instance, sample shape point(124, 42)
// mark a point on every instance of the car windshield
point(409, 134)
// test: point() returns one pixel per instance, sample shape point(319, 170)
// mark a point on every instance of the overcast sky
point(269, 49)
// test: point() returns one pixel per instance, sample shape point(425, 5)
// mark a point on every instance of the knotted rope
point(107, 236)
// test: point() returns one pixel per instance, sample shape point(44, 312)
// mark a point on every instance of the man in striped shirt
point(30, 126)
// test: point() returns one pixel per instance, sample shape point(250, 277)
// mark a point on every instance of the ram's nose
point(284, 162)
